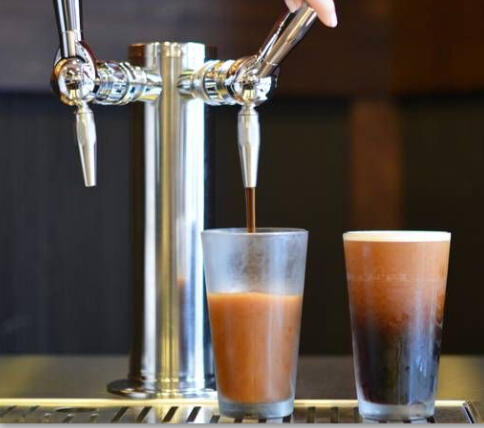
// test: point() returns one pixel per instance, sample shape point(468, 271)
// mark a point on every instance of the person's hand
point(324, 8)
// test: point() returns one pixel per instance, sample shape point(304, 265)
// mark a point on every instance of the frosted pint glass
point(255, 285)
point(396, 286)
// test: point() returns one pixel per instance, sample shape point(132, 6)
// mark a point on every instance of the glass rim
point(260, 231)
point(397, 235)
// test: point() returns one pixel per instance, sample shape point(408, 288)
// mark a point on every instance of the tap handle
point(285, 35)
point(69, 23)
point(86, 139)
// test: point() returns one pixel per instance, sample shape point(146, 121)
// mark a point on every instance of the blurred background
point(376, 124)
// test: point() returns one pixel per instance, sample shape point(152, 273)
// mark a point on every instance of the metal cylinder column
point(171, 347)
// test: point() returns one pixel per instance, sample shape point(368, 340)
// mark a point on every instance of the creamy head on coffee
point(397, 236)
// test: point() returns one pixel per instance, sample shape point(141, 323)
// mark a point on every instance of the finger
point(293, 5)
point(326, 11)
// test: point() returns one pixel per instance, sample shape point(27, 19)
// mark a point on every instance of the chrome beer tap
point(171, 351)
point(78, 78)
point(249, 81)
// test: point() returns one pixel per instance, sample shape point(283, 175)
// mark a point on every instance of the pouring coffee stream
point(250, 209)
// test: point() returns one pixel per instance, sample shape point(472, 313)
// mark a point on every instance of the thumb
point(293, 5)
point(326, 11)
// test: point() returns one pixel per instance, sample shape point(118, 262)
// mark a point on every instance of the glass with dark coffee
point(396, 286)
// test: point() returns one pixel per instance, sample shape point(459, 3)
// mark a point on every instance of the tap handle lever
point(86, 139)
point(285, 35)
point(69, 23)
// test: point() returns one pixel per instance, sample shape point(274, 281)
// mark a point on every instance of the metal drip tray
point(201, 411)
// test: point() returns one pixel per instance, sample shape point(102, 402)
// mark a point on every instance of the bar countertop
point(320, 377)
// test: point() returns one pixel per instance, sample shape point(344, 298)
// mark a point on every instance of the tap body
point(173, 83)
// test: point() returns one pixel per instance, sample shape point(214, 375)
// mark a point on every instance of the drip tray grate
point(201, 411)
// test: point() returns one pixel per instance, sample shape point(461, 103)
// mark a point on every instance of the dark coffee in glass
point(396, 286)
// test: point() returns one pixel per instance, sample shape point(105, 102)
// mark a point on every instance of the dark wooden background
point(377, 124)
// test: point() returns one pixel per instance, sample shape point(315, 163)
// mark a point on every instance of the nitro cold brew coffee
point(396, 286)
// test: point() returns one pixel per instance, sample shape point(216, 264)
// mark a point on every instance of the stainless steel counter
point(320, 377)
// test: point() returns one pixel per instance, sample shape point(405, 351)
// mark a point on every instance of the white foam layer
point(396, 236)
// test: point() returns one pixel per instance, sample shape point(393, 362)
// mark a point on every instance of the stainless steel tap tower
point(171, 349)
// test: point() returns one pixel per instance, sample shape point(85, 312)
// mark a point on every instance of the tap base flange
point(136, 389)
point(132, 389)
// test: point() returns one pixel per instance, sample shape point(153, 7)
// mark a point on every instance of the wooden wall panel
point(437, 46)
point(375, 165)
point(64, 259)
point(329, 62)
point(65, 251)
point(397, 47)
point(444, 190)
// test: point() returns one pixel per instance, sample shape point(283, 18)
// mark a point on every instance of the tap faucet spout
point(249, 144)
point(86, 140)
